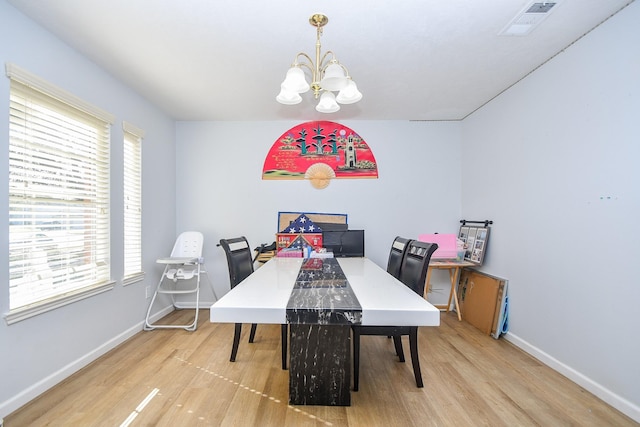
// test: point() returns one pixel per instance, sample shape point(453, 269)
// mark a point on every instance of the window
point(58, 197)
point(132, 203)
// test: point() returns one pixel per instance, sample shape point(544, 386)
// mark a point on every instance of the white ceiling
point(225, 60)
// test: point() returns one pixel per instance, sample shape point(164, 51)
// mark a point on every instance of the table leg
point(426, 285)
point(454, 274)
point(320, 365)
point(454, 289)
point(452, 281)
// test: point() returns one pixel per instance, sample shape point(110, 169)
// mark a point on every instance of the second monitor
point(344, 243)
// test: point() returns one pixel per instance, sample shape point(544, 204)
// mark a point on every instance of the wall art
point(319, 151)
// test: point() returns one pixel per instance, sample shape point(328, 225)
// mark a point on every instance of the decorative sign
point(319, 151)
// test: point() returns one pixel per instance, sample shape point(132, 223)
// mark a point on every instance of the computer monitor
point(344, 243)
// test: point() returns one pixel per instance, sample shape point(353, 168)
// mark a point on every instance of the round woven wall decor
point(320, 175)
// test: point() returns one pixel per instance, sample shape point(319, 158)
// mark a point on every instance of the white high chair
point(181, 276)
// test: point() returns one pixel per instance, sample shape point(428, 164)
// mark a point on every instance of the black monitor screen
point(345, 243)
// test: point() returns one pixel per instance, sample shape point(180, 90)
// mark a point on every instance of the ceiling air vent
point(530, 17)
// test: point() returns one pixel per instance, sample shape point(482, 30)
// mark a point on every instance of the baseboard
point(621, 404)
point(27, 395)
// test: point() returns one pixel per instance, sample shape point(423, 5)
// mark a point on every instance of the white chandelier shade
point(350, 94)
point(288, 97)
point(327, 103)
point(328, 75)
point(334, 78)
point(295, 81)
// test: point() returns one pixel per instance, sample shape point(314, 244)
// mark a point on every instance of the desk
point(265, 295)
point(454, 268)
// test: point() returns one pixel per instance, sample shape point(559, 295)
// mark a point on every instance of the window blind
point(132, 203)
point(59, 221)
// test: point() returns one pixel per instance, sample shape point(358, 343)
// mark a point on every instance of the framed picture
point(475, 240)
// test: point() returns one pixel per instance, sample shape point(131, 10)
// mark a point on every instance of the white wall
point(41, 351)
point(221, 193)
point(555, 162)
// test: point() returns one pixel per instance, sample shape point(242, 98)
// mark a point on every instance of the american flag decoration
point(299, 236)
point(302, 225)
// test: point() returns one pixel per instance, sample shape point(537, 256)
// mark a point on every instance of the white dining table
point(320, 312)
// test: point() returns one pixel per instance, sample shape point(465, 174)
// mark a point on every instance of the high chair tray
point(177, 260)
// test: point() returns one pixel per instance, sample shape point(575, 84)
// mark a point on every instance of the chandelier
point(328, 75)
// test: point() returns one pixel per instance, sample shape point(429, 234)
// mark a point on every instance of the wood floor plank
point(469, 379)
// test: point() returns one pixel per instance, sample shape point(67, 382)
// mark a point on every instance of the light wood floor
point(470, 380)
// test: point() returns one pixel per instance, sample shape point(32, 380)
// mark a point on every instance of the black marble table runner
point(322, 295)
point(321, 309)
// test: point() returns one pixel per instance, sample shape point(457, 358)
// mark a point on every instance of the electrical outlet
point(147, 291)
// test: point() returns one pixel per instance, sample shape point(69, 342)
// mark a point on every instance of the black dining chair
point(240, 263)
point(396, 255)
point(413, 273)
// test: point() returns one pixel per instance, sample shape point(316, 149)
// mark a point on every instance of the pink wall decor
point(319, 151)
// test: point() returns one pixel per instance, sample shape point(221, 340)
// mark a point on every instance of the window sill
point(133, 278)
point(29, 311)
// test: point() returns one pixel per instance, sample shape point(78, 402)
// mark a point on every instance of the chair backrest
point(396, 255)
point(239, 259)
point(188, 244)
point(413, 272)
